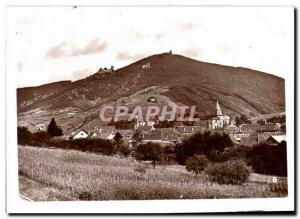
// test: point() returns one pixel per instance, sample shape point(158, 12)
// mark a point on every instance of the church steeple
point(218, 109)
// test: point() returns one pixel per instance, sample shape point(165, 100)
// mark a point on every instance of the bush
point(24, 136)
point(232, 153)
point(88, 145)
point(280, 187)
point(40, 139)
point(230, 172)
point(268, 159)
point(124, 150)
point(202, 143)
point(196, 163)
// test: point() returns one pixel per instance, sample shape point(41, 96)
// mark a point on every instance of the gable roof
point(165, 134)
point(259, 128)
point(155, 135)
point(81, 130)
point(250, 140)
point(145, 128)
point(277, 138)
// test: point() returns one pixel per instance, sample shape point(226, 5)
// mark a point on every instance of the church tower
point(218, 109)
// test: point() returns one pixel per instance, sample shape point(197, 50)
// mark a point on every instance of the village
point(171, 133)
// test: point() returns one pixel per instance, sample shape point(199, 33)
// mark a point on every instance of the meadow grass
point(86, 176)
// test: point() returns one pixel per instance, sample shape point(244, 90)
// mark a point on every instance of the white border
point(16, 205)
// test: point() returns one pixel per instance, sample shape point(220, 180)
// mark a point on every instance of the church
point(218, 120)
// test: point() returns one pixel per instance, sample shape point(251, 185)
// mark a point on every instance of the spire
point(218, 108)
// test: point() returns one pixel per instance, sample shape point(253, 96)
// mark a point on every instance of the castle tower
point(218, 109)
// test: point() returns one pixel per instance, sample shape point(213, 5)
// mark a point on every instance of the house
point(251, 140)
point(202, 122)
point(80, 134)
point(154, 137)
point(105, 132)
point(231, 129)
point(106, 129)
point(268, 127)
point(150, 123)
point(162, 136)
point(239, 135)
point(40, 127)
point(170, 135)
point(276, 139)
point(233, 139)
point(92, 133)
point(145, 129)
point(146, 66)
point(126, 133)
point(108, 136)
point(262, 137)
point(152, 99)
point(189, 130)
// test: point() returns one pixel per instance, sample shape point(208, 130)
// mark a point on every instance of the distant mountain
point(170, 78)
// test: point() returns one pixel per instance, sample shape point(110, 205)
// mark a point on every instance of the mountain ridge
point(175, 78)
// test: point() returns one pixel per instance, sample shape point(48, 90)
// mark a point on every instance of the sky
point(48, 44)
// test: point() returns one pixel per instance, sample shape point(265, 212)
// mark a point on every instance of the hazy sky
point(47, 44)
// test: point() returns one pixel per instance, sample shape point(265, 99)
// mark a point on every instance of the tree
point(243, 119)
point(122, 124)
point(137, 138)
point(261, 122)
point(267, 159)
point(149, 151)
point(202, 143)
point(164, 124)
point(53, 129)
point(24, 136)
point(118, 139)
point(277, 119)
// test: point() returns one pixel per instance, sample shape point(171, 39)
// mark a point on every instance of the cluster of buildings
point(105, 69)
point(245, 134)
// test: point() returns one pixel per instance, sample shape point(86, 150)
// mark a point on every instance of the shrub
point(91, 145)
point(232, 153)
point(230, 172)
point(140, 169)
point(267, 159)
point(40, 139)
point(196, 163)
point(280, 187)
point(85, 196)
point(124, 150)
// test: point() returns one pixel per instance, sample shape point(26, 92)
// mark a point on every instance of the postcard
point(149, 109)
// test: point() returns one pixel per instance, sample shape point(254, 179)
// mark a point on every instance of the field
point(55, 174)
